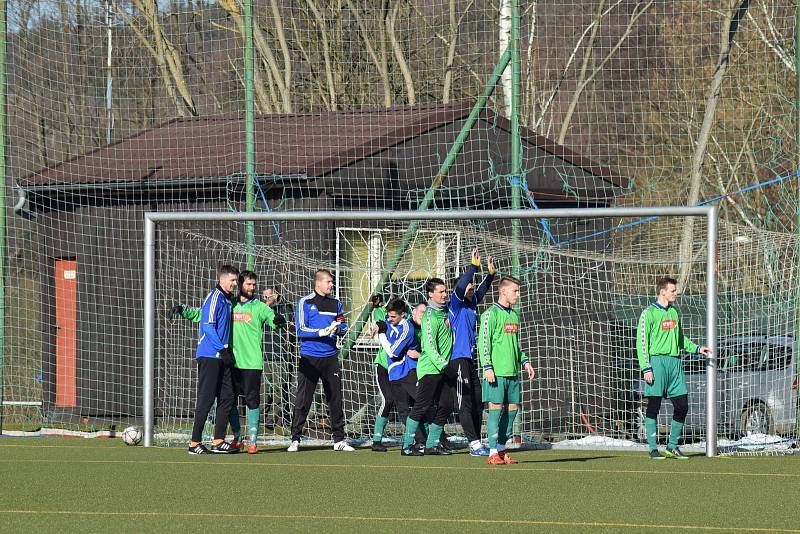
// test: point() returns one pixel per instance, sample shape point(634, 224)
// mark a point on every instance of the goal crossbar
point(708, 212)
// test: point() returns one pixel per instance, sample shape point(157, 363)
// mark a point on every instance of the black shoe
point(438, 451)
point(445, 444)
point(199, 449)
point(377, 446)
point(419, 446)
point(411, 451)
point(224, 448)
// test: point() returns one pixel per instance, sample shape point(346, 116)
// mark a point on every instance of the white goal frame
point(709, 212)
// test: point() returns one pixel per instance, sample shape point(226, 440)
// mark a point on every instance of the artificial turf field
point(99, 485)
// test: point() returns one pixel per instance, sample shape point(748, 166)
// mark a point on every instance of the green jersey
point(437, 343)
point(379, 314)
point(498, 341)
point(248, 330)
point(660, 334)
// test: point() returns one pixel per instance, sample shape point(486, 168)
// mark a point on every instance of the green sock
point(380, 425)
point(253, 419)
point(509, 432)
point(674, 434)
point(502, 437)
point(651, 430)
point(433, 436)
point(236, 425)
point(411, 429)
point(493, 427)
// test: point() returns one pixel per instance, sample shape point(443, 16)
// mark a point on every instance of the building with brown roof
point(89, 211)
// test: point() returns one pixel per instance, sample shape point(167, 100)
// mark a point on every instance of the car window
point(742, 357)
point(775, 357)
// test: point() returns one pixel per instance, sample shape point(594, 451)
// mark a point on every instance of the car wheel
point(756, 420)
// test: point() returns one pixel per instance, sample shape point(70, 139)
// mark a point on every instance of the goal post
point(152, 219)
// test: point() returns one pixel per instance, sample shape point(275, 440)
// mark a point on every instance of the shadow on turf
point(566, 460)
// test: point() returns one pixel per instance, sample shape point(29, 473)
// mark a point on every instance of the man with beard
point(249, 317)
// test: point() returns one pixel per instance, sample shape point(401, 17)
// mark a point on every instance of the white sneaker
point(294, 447)
point(342, 446)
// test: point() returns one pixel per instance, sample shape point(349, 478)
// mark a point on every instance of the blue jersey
point(316, 312)
point(215, 324)
point(398, 341)
point(463, 314)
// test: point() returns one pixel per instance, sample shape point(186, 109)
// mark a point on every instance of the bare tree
point(731, 17)
point(585, 79)
point(164, 52)
point(399, 55)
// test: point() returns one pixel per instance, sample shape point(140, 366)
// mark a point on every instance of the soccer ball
point(132, 435)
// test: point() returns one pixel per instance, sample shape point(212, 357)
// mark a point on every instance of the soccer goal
point(587, 274)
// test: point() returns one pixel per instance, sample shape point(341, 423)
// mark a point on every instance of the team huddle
point(433, 359)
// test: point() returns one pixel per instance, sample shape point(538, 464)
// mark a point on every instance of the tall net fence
point(115, 108)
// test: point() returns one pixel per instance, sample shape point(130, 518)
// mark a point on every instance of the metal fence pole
point(711, 334)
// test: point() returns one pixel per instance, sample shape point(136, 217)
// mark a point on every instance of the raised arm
point(487, 281)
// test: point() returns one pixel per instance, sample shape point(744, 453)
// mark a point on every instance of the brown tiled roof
point(299, 144)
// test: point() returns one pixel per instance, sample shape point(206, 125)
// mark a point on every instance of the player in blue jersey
point(215, 364)
point(400, 345)
point(318, 321)
point(462, 368)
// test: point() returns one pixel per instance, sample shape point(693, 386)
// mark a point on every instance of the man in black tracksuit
point(318, 320)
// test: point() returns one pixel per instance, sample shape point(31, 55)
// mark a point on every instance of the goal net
point(113, 108)
point(586, 281)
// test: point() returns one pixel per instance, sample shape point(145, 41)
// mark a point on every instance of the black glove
point(279, 320)
point(376, 300)
point(381, 327)
point(227, 357)
point(175, 310)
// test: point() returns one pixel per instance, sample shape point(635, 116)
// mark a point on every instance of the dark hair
point(504, 281)
point(431, 284)
point(396, 305)
point(227, 269)
point(246, 275)
point(663, 282)
point(318, 274)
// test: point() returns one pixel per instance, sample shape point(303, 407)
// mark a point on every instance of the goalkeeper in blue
point(463, 316)
point(659, 342)
point(502, 359)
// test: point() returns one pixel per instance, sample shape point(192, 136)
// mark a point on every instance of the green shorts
point(668, 378)
point(504, 390)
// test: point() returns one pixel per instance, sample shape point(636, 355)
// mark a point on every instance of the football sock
point(674, 434)
point(433, 436)
point(253, 417)
point(492, 427)
point(236, 424)
point(651, 429)
point(411, 429)
point(502, 437)
point(508, 431)
point(380, 425)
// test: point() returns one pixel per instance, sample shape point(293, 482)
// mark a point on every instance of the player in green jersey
point(502, 359)
point(381, 378)
point(659, 342)
point(432, 386)
point(249, 317)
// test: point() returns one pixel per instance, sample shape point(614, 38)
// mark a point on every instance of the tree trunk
point(727, 32)
point(504, 23)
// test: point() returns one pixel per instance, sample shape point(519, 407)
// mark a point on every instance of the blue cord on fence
point(275, 226)
point(776, 180)
point(523, 184)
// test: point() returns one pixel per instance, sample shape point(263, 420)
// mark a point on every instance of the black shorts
point(247, 383)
